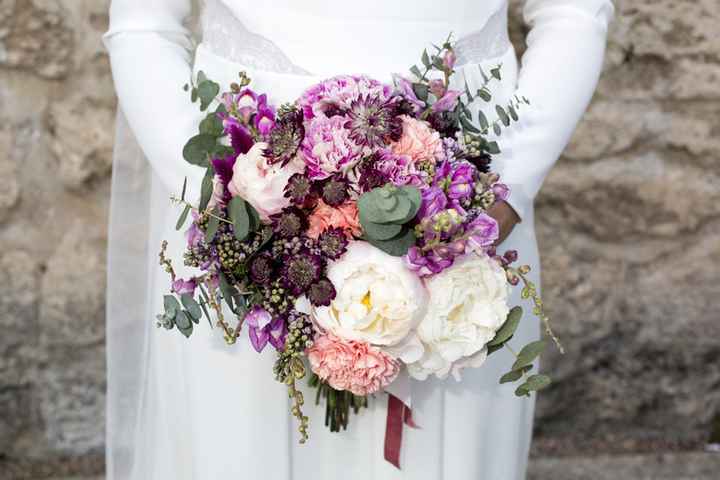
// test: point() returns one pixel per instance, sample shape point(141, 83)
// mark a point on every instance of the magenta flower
point(449, 59)
point(265, 116)
point(398, 169)
point(181, 286)
point(263, 328)
point(426, 264)
point(433, 201)
point(437, 87)
point(447, 102)
point(246, 103)
point(501, 191)
point(336, 95)
point(483, 231)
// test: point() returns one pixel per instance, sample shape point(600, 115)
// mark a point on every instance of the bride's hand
point(506, 218)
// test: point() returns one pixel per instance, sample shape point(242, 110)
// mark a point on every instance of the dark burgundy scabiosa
point(285, 137)
point(481, 162)
point(369, 175)
point(334, 191)
point(289, 223)
point(321, 293)
point(374, 122)
point(300, 190)
point(332, 243)
point(262, 269)
point(444, 123)
point(300, 271)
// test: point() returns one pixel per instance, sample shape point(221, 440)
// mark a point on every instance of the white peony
point(261, 184)
point(379, 301)
point(468, 305)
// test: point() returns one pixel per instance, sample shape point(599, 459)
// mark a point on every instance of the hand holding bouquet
point(349, 231)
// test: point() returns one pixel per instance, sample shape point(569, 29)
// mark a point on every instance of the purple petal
point(447, 102)
point(258, 338)
point(240, 138)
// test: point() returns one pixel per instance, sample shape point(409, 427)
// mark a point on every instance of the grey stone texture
point(628, 224)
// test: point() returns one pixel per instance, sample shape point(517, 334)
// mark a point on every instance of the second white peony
point(379, 301)
point(468, 305)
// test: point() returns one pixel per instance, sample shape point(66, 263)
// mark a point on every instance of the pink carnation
point(324, 216)
point(418, 141)
point(350, 365)
point(328, 148)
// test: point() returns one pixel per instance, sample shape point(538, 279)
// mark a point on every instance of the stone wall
point(628, 224)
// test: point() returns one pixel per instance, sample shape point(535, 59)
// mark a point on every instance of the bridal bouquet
point(349, 232)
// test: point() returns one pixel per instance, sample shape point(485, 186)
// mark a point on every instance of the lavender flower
point(406, 91)
point(181, 286)
point(483, 231)
point(433, 202)
point(448, 101)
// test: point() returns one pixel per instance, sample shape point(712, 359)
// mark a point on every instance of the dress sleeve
point(149, 49)
point(558, 75)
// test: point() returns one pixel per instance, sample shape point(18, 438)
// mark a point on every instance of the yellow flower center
point(366, 301)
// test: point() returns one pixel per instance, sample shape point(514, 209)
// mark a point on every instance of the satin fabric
point(201, 410)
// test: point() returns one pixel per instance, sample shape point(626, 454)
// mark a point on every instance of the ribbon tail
point(398, 414)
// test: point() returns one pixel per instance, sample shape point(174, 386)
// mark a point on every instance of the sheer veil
point(139, 207)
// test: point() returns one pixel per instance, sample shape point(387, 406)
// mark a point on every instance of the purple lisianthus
point(265, 116)
point(263, 328)
point(181, 286)
point(483, 231)
point(447, 102)
point(328, 148)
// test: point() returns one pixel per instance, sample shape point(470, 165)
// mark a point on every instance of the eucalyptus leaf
point(183, 217)
point(467, 92)
point(495, 72)
point(183, 323)
point(522, 391)
point(379, 231)
point(172, 306)
point(416, 71)
point(207, 91)
point(508, 328)
point(192, 307)
point(484, 94)
point(529, 353)
point(482, 72)
point(421, 91)
point(238, 213)
point(194, 95)
point(468, 126)
point(515, 375)
point(184, 189)
point(254, 217)
point(513, 113)
point(496, 129)
point(212, 226)
point(206, 188)
point(397, 246)
point(211, 125)
point(426, 59)
point(537, 382)
point(504, 118)
point(484, 124)
point(492, 148)
point(228, 291)
point(198, 148)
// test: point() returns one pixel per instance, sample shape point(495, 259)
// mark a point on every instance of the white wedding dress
point(198, 409)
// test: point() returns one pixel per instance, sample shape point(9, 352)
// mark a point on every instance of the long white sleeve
point(150, 58)
point(559, 73)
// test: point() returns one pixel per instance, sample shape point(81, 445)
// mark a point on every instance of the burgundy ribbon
point(397, 415)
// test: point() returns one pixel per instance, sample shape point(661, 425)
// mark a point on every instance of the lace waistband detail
point(226, 36)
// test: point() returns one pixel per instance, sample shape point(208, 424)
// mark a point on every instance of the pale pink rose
point(418, 141)
point(324, 216)
point(261, 184)
point(351, 365)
